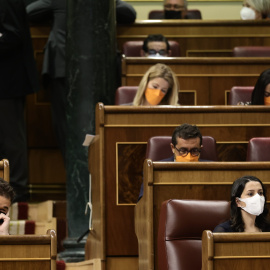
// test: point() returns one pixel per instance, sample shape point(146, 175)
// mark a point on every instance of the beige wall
point(210, 10)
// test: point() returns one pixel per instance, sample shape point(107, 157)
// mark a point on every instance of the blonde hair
point(158, 71)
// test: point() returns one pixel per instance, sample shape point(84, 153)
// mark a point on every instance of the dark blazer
point(18, 73)
point(54, 58)
point(224, 227)
point(54, 55)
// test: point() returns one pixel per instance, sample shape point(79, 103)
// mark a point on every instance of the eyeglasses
point(160, 52)
point(184, 151)
point(266, 94)
point(170, 6)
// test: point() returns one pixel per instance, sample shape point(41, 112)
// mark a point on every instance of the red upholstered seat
point(194, 14)
point(125, 94)
point(251, 51)
point(240, 93)
point(159, 14)
point(258, 149)
point(60, 265)
point(156, 15)
point(133, 48)
point(158, 148)
point(181, 224)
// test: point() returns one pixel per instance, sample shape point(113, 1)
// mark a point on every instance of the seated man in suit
point(156, 46)
point(6, 198)
point(186, 146)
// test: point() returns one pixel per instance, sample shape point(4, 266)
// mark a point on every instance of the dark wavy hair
point(257, 97)
point(237, 223)
point(6, 190)
point(186, 131)
point(156, 37)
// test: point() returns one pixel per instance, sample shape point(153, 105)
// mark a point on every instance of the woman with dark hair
point(248, 207)
point(261, 92)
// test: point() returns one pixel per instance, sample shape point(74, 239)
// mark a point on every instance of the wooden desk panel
point(200, 37)
point(28, 252)
point(4, 169)
point(202, 181)
point(116, 161)
point(209, 79)
point(230, 250)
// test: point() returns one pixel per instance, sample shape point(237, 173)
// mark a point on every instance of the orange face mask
point(154, 96)
point(267, 101)
point(187, 158)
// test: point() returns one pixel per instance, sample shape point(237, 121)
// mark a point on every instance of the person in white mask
point(248, 207)
point(255, 9)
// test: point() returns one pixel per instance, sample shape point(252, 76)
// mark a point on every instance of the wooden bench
point(203, 80)
point(28, 252)
point(117, 154)
point(197, 38)
point(177, 180)
point(228, 250)
point(200, 37)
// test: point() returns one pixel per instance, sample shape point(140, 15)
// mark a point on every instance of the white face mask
point(254, 204)
point(247, 13)
point(156, 56)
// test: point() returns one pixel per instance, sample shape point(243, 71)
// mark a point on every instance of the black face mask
point(173, 14)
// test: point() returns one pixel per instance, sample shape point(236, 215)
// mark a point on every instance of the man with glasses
point(156, 46)
point(186, 146)
point(175, 9)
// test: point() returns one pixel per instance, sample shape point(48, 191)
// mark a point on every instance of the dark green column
point(91, 69)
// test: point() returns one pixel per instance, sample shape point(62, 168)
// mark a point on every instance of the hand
point(4, 227)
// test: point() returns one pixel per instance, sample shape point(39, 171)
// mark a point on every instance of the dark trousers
point(58, 108)
point(13, 145)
